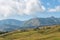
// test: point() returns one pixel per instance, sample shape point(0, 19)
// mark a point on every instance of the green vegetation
point(3, 32)
point(39, 33)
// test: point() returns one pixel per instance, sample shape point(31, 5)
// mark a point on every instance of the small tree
point(37, 28)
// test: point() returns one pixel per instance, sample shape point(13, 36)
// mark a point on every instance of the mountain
point(13, 24)
point(10, 24)
point(35, 22)
point(32, 23)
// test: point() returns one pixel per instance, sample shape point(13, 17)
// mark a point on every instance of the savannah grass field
point(41, 33)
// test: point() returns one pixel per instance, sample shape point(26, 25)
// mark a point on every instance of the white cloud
point(5, 7)
point(56, 9)
point(21, 7)
point(5, 10)
point(30, 6)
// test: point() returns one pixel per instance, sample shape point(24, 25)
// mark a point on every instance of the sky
point(27, 9)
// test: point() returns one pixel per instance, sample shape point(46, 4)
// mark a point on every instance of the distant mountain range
point(12, 24)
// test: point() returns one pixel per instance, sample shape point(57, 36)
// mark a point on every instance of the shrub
point(41, 31)
point(48, 28)
point(59, 29)
point(37, 28)
point(24, 30)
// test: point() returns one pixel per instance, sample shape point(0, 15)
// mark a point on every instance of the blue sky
point(50, 3)
point(26, 9)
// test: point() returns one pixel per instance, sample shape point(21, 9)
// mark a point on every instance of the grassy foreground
point(43, 33)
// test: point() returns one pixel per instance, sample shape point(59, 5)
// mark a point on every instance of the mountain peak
point(52, 17)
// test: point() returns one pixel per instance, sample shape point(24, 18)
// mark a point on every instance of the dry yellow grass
point(52, 33)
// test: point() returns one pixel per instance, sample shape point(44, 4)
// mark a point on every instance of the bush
point(48, 28)
point(3, 32)
point(37, 28)
point(24, 30)
point(41, 31)
point(59, 29)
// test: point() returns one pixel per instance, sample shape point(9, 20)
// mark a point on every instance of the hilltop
point(39, 33)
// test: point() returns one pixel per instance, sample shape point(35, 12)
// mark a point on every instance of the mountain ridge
point(13, 24)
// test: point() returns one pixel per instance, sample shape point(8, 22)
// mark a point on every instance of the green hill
point(40, 33)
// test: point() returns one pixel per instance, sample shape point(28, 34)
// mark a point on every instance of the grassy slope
point(45, 33)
